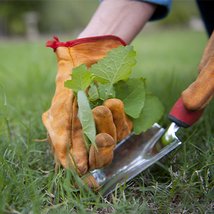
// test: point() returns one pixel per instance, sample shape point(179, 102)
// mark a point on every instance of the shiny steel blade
point(133, 155)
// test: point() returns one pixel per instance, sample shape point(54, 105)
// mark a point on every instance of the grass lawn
point(181, 183)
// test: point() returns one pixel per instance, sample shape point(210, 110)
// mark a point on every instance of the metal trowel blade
point(132, 156)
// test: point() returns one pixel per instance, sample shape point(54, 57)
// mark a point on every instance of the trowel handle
point(183, 117)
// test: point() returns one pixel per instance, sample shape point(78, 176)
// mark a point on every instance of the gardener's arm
point(124, 18)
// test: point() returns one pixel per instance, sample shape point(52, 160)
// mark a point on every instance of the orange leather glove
point(61, 120)
point(200, 92)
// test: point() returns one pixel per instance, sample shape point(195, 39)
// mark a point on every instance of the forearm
point(122, 18)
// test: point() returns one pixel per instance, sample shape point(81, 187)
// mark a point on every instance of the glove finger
point(78, 151)
point(103, 154)
point(200, 92)
point(123, 125)
point(104, 121)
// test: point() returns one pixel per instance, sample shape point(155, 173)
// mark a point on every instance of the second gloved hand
point(201, 91)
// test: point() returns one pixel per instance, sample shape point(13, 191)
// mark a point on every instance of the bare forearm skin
point(122, 18)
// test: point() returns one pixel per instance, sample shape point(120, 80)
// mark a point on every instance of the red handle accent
point(183, 117)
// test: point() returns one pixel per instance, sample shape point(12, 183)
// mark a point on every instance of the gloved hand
point(200, 92)
point(61, 120)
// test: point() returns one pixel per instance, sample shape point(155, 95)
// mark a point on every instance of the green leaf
point(151, 113)
point(105, 91)
point(81, 79)
point(93, 93)
point(115, 66)
point(86, 117)
point(132, 93)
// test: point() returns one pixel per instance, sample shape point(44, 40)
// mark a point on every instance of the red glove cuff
point(55, 43)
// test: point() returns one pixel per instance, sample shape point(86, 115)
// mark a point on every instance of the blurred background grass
point(168, 53)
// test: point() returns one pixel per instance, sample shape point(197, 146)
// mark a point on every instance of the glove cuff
point(83, 51)
point(55, 43)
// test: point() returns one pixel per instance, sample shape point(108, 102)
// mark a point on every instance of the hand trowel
point(136, 153)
